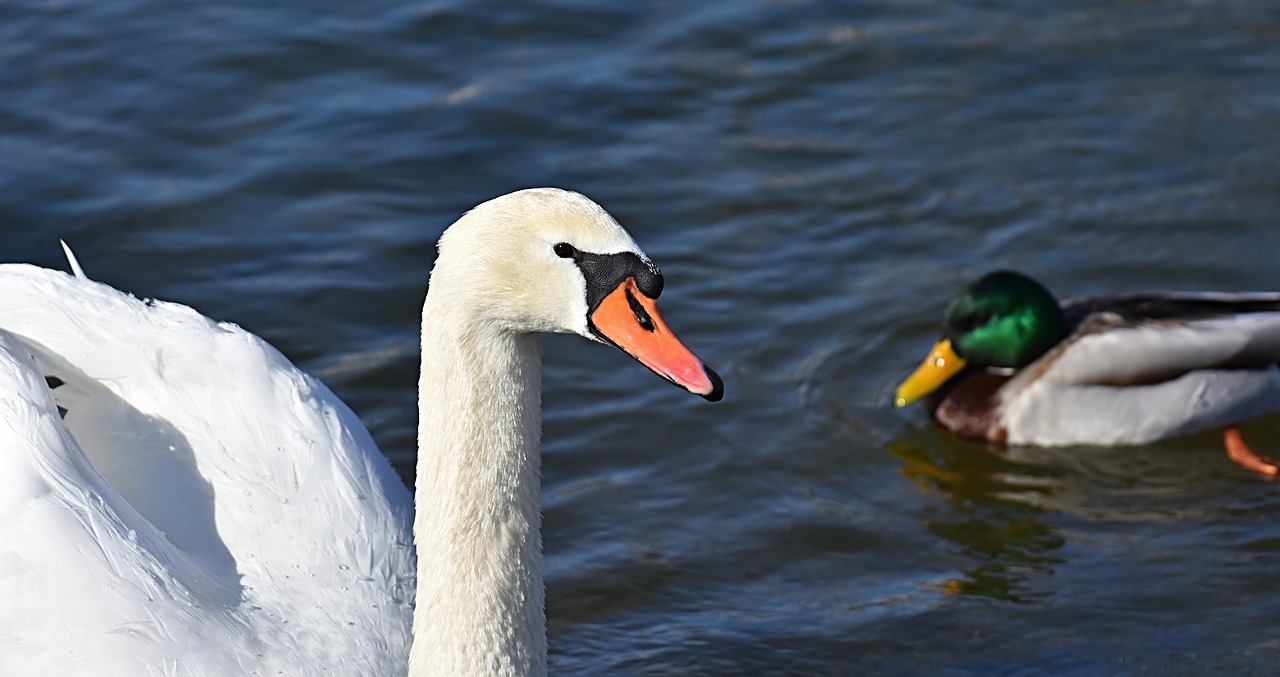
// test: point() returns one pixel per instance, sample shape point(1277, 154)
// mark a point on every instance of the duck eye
point(565, 250)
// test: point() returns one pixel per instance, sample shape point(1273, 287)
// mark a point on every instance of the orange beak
point(630, 320)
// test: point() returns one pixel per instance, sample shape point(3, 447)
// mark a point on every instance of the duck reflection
point(994, 507)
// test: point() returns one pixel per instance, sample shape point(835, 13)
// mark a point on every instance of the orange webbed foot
point(1239, 451)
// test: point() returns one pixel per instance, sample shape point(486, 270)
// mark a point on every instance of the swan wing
point(89, 585)
point(282, 531)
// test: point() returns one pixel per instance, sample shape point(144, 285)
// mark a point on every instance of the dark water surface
point(816, 181)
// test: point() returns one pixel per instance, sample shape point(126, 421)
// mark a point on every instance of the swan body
point(1018, 367)
point(205, 508)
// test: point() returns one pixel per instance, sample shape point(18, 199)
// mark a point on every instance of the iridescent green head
point(1004, 319)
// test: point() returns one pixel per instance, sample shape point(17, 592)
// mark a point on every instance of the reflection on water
point(1026, 522)
point(988, 520)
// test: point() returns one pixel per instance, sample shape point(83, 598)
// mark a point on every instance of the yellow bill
point(941, 364)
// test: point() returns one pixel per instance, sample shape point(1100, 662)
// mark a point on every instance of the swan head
point(551, 260)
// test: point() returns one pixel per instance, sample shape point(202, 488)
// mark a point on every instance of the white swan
point(205, 508)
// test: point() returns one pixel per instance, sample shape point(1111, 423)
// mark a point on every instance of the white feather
point(71, 261)
point(201, 492)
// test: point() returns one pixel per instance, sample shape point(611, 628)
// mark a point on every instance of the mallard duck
point(1014, 366)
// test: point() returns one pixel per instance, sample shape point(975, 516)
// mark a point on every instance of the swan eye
point(565, 250)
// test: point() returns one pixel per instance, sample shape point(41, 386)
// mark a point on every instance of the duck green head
point(1003, 319)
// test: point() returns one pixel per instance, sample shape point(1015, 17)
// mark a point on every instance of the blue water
point(816, 180)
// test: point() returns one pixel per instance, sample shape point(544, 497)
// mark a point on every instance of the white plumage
point(205, 508)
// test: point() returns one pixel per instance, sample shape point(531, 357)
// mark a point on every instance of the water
point(816, 181)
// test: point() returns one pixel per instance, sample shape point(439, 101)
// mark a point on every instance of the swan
point(176, 498)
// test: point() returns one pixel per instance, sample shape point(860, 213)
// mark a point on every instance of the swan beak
point(941, 364)
point(630, 320)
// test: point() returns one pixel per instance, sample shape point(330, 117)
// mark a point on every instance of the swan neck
point(480, 607)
